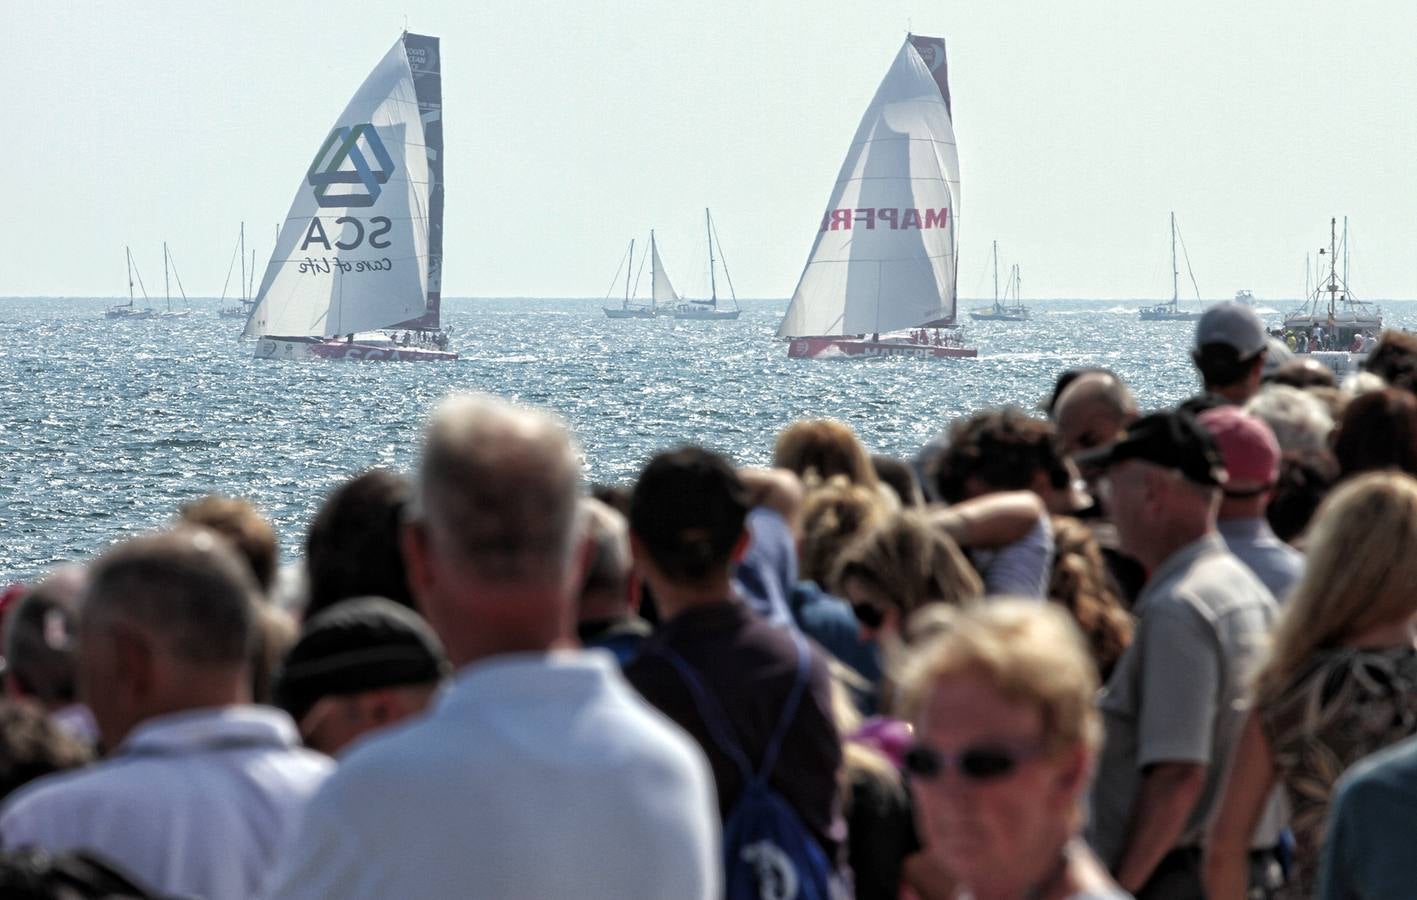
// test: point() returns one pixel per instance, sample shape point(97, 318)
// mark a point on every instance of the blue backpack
point(768, 853)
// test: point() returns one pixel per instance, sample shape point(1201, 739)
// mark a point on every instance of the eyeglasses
point(868, 614)
point(982, 762)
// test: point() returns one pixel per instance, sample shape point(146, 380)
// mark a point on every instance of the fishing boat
point(129, 310)
point(1171, 311)
point(880, 277)
point(239, 308)
point(1332, 325)
point(1002, 310)
point(709, 310)
point(356, 272)
point(629, 308)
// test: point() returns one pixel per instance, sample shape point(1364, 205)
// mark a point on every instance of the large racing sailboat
point(357, 268)
point(880, 278)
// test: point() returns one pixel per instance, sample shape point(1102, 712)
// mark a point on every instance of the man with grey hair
point(1299, 420)
point(199, 785)
point(39, 651)
point(605, 613)
point(1174, 704)
point(538, 772)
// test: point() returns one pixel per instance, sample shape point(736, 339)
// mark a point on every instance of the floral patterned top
point(1346, 704)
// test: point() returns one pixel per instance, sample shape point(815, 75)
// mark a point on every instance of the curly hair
point(1004, 449)
point(1079, 584)
point(832, 515)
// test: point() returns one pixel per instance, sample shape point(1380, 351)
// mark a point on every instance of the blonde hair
point(1030, 652)
point(1079, 584)
point(1360, 573)
point(826, 447)
point(911, 562)
point(832, 515)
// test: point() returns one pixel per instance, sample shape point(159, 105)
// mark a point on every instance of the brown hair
point(242, 524)
point(825, 447)
point(911, 562)
point(1079, 584)
point(1378, 431)
point(832, 515)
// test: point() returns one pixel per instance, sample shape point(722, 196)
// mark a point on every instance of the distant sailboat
point(357, 268)
point(239, 309)
point(1171, 311)
point(709, 309)
point(1003, 310)
point(169, 264)
point(884, 258)
point(129, 310)
point(629, 309)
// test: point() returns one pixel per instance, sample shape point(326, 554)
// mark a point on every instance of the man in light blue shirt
point(539, 772)
point(1368, 851)
point(1251, 455)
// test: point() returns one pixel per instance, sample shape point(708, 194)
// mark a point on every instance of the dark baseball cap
point(1172, 439)
point(354, 646)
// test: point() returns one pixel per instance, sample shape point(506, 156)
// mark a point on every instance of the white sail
point(663, 290)
point(353, 254)
point(884, 255)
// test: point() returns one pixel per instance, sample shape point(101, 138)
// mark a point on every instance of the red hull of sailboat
point(827, 347)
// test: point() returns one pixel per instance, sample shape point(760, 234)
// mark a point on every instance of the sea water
point(106, 427)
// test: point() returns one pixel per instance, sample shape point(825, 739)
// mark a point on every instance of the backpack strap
point(721, 729)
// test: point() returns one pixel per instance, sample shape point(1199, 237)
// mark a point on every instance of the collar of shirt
point(1250, 530)
point(510, 678)
point(1182, 559)
point(221, 728)
point(724, 616)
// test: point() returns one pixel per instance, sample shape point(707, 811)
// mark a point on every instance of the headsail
point(361, 248)
point(884, 255)
point(663, 290)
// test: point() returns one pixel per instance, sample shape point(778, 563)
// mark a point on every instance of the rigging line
point(634, 291)
point(230, 268)
point(177, 276)
point(1187, 257)
point(140, 282)
point(618, 270)
point(723, 259)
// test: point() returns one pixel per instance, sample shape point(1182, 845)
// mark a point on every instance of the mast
point(653, 271)
point(165, 287)
point(996, 276)
point(243, 263)
point(629, 269)
point(129, 253)
point(1307, 270)
point(713, 286)
point(1332, 264)
point(1175, 272)
point(1346, 292)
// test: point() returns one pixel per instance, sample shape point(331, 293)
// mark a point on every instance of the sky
point(573, 126)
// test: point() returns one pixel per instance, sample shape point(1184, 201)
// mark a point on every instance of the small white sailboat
point(880, 277)
point(129, 310)
point(1171, 311)
point(630, 308)
point(709, 309)
point(239, 308)
point(357, 268)
point(169, 264)
point(1003, 310)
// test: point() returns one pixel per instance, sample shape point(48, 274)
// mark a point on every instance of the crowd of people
point(1078, 651)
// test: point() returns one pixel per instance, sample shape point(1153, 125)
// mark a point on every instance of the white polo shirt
point(193, 804)
point(534, 775)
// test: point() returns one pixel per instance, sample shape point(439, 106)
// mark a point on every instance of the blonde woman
point(1340, 681)
point(1007, 735)
point(823, 448)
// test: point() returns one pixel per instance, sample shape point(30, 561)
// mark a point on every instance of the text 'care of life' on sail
point(884, 257)
point(357, 268)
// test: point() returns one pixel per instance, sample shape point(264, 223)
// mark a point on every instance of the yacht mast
point(996, 276)
point(713, 285)
point(1332, 264)
point(653, 271)
point(129, 253)
point(165, 286)
point(629, 269)
point(1175, 272)
point(243, 264)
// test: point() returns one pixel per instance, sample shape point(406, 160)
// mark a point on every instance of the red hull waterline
point(828, 348)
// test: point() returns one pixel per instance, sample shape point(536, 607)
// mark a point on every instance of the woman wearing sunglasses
point(1006, 734)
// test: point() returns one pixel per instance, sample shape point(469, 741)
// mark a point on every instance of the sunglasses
point(868, 614)
point(982, 762)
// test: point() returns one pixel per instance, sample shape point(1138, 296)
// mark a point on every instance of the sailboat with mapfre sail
point(357, 268)
point(884, 259)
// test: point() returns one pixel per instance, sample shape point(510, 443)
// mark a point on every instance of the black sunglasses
point(983, 762)
point(868, 614)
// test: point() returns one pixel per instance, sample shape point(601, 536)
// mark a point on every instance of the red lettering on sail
point(866, 215)
point(911, 219)
point(888, 215)
point(894, 218)
point(937, 218)
point(841, 218)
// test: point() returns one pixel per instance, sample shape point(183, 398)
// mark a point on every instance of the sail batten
point(361, 247)
point(884, 257)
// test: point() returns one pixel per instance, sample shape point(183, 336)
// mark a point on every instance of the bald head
point(1094, 410)
point(498, 487)
point(185, 591)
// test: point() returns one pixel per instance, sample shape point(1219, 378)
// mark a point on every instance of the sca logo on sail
point(344, 159)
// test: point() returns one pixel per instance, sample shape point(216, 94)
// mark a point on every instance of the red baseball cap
point(1248, 447)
